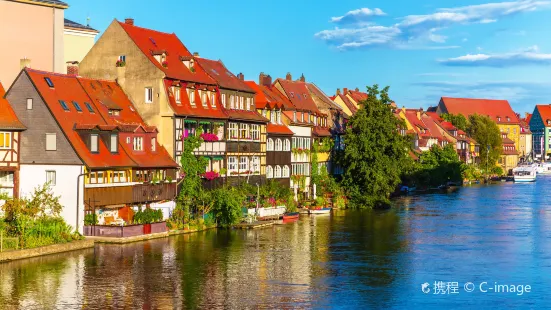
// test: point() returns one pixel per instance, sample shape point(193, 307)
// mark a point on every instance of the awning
point(188, 121)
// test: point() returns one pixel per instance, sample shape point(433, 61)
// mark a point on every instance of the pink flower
point(209, 137)
point(211, 175)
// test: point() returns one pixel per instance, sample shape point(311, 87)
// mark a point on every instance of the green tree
point(375, 152)
point(315, 177)
point(227, 205)
point(486, 132)
point(458, 120)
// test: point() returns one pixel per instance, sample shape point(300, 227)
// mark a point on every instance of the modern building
point(272, 105)
point(78, 40)
point(87, 140)
point(34, 32)
point(10, 137)
point(540, 126)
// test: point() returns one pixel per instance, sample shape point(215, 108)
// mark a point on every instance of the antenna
point(88, 21)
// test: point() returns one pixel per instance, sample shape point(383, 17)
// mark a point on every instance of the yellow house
point(79, 39)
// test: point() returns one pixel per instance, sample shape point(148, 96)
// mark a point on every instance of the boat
point(291, 216)
point(320, 211)
point(407, 189)
point(524, 174)
point(544, 168)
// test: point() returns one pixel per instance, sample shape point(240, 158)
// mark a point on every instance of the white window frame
point(223, 96)
point(277, 172)
point(177, 95)
point(233, 128)
point(138, 144)
point(278, 116)
point(149, 95)
point(51, 177)
point(8, 135)
point(272, 117)
point(286, 145)
point(243, 163)
point(244, 131)
point(248, 106)
point(114, 140)
point(270, 144)
point(204, 97)
point(52, 145)
point(269, 172)
point(286, 172)
point(94, 143)
point(191, 96)
point(278, 145)
point(255, 164)
point(241, 103)
point(255, 132)
point(232, 102)
point(294, 116)
point(153, 144)
point(29, 103)
point(213, 99)
point(232, 163)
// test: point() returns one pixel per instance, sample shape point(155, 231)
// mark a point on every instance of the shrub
point(91, 219)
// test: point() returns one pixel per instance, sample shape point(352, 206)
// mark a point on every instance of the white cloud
point(418, 30)
point(362, 15)
point(529, 56)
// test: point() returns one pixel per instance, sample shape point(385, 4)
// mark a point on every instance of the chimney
point(25, 63)
point(338, 91)
point(261, 78)
point(419, 113)
point(195, 54)
point(241, 76)
point(129, 21)
point(357, 89)
point(404, 109)
point(268, 80)
point(288, 77)
point(72, 68)
point(302, 78)
point(345, 91)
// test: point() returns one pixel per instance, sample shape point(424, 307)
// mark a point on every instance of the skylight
point(50, 83)
point(64, 105)
point(292, 94)
point(77, 106)
point(153, 41)
point(89, 107)
point(214, 71)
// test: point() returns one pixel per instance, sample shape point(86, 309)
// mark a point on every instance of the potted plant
point(165, 64)
point(120, 63)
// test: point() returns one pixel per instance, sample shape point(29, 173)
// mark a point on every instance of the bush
point(91, 219)
point(148, 216)
point(227, 205)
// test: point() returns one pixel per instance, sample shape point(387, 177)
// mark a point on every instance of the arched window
point(270, 146)
point(286, 171)
point(279, 145)
point(269, 172)
point(286, 145)
point(277, 173)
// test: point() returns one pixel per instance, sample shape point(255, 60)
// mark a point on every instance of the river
point(351, 259)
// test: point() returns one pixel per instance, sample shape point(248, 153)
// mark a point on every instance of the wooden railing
point(131, 194)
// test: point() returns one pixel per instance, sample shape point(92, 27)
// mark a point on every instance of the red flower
point(211, 175)
point(209, 137)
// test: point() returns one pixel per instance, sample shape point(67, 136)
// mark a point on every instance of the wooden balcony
point(110, 195)
point(212, 148)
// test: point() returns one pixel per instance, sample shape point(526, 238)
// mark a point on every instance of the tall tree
point(486, 132)
point(375, 153)
point(458, 120)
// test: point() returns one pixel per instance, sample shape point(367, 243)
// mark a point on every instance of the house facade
point(87, 140)
point(279, 136)
point(540, 126)
point(78, 40)
point(10, 137)
point(43, 22)
point(509, 157)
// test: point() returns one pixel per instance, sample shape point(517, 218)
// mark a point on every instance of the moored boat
point(320, 211)
point(291, 216)
point(524, 174)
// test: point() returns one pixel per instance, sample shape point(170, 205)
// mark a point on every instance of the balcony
point(212, 147)
point(99, 195)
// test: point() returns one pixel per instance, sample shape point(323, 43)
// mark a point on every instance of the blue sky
point(422, 50)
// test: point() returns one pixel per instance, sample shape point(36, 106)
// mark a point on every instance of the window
point(272, 117)
point(148, 95)
point(255, 132)
point(177, 95)
point(50, 177)
point(128, 140)
point(6, 178)
point(308, 117)
point(49, 82)
point(64, 105)
point(89, 107)
point(265, 113)
point(302, 116)
point(279, 145)
point(270, 144)
point(223, 100)
point(94, 143)
point(51, 142)
point(232, 131)
point(77, 106)
point(232, 103)
point(122, 58)
point(286, 172)
point(118, 177)
point(213, 99)
point(5, 140)
point(244, 131)
point(232, 163)
point(294, 142)
point(114, 112)
point(269, 172)
point(278, 117)
point(191, 96)
point(114, 143)
point(138, 144)
point(243, 163)
point(277, 173)
point(286, 145)
point(304, 96)
point(294, 116)
point(241, 103)
point(153, 144)
point(29, 103)
point(292, 94)
point(248, 104)
point(255, 164)
point(204, 98)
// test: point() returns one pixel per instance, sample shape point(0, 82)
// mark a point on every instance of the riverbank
point(45, 250)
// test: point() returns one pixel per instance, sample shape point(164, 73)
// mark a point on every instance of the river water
point(497, 234)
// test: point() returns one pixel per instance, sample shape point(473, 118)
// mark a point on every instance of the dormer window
point(138, 144)
point(213, 99)
point(204, 98)
point(176, 91)
point(153, 144)
point(232, 103)
point(114, 143)
point(94, 139)
point(114, 112)
point(191, 95)
point(508, 119)
point(186, 63)
point(499, 119)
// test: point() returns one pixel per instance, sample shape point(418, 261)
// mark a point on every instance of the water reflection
point(369, 259)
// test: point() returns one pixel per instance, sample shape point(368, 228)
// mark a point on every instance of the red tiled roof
point(69, 89)
point(330, 104)
point(222, 75)
point(358, 96)
point(8, 119)
point(411, 116)
point(151, 41)
point(528, 118)
point(298, 94)
point(347, 102)
point(242, 115)
point(321, 132)
point(493, 108)
point(433, 127)
point(545, 113)
point(279, 129)
point(507, 141)
point(184, 108)
point(266, 98)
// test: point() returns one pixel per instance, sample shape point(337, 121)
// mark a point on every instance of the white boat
point(544, 168)
point(524, 174)
point(320, 211)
